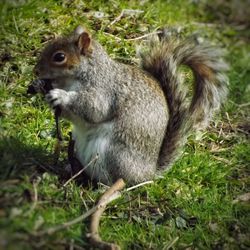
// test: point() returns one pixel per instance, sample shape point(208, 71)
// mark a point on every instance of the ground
point(201, 203)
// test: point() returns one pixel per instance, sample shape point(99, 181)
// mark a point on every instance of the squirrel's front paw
point(58, 97)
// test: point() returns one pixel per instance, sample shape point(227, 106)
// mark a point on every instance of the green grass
point(193, 206)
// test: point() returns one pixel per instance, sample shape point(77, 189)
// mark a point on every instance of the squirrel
point(134, 119)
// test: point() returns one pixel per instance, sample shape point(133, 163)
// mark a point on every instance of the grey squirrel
point(136, 119)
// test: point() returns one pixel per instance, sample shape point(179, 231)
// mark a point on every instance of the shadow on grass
point(18, 159)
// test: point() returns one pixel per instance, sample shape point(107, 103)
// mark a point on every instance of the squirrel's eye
point(59, 57)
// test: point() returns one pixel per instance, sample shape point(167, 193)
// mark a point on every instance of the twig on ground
point(229, 121)
point(134, 39)
point(220, 132)
point(78, 173)
point(117, 19)
point(144, 36)
point(242, 105)
point(125, 12)
point(222, 160)
point(83, 201)
point(115, 37)
point(218, 150)
point(242, 131)
point(139, 185)
point(46, 168)
point(71, 244)
point(52, 230)
point(111, 194)
point(35, 199)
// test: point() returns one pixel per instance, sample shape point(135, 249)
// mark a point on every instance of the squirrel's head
point(62, 56)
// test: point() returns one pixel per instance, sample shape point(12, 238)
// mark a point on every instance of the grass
point(196, 205)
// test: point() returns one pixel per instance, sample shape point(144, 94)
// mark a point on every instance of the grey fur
point(135, 120)
point(162, 59)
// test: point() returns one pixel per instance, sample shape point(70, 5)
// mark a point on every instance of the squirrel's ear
point(83, 40)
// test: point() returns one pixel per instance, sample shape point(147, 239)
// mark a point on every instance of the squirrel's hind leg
point(129, 165)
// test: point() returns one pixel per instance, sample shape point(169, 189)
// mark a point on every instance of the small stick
point(244, 104)
point(71, 244)
point(58, 144)
point(124, 13)
point(139, 185)
point(117, 19)
point(144, 36)
point(222, 160)
point(111, 194)
point(58, 128)
point(65, 225)
point(78, 173)
point(111, 35)
point(134, 39)
point(241, 105)
point(229, 121)
point(71, 147)
point(35, 199)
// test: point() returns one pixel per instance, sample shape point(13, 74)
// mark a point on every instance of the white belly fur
point(91, 141)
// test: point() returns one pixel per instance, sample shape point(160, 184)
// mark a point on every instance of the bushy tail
point(162, 59)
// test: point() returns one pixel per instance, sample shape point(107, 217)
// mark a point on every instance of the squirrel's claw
point(57, 97)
